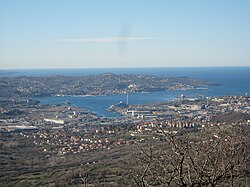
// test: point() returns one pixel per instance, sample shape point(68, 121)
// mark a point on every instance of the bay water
point(233, 80)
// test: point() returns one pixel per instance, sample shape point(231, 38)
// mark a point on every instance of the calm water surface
point(234, 80)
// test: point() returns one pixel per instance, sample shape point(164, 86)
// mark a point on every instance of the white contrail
point(103, 39)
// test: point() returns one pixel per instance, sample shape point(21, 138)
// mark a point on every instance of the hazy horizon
point(37, 68)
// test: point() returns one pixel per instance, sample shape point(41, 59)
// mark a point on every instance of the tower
point(127, 98)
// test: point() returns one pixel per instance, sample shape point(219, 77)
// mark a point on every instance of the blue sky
point(119, 33)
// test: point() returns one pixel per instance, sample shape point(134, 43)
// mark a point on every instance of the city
point(54, 134)
point(128, 93)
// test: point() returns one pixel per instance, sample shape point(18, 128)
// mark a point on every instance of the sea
point(233, 80)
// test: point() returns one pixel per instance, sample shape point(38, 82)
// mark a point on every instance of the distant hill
point(8, 73)
point(103, 84)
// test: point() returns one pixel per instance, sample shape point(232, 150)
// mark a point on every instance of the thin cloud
point(102, 40)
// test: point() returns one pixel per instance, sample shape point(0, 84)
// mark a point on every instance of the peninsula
point(103, 84)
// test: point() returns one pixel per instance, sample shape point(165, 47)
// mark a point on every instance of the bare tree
point(207, 158)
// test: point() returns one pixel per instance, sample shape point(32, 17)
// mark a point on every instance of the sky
point(119, 33)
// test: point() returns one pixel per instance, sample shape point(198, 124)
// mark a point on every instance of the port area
point(47, 143)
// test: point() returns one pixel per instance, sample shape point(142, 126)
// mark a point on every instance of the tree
point(213, 157)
